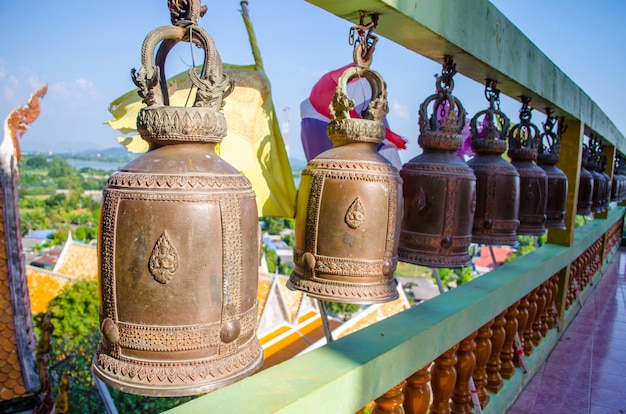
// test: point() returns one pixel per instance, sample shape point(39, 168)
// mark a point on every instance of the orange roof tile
point(78, 260)
point(293, 298)
point(375, 313)
point(43, 287)
point(264, 290)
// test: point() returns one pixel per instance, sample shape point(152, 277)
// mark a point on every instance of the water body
point(96, 165)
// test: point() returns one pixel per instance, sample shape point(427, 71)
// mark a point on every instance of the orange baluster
point(390, 402)
point(483, 352)
point(528, 331)
point(547, 310)
point(443, 380)
point(507, 369)
point(461, 396)
point(522, 319)
point(494, 379)
point(555, 291)
point(541, 304)
point(417, 392)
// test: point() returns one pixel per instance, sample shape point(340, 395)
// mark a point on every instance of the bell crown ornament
point(178, 283)
point(489, 135)
point(441, 129)
point(524, 136)
point(549, 141)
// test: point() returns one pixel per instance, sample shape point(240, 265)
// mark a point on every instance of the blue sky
point(85, 53)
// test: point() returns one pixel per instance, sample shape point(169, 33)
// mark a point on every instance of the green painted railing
point(345, 375)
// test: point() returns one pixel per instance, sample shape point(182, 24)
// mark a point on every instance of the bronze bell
point(606, 196)
point(178, 236)
point(585, 185)
point(617, 188)
point(523, 148)
point(617, 181)
point(599, 182)
point(349, 205)
point(439, 188)
point(547, 158)
point(497, 180)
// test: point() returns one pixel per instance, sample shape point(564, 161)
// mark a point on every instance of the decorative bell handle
point(213, 85)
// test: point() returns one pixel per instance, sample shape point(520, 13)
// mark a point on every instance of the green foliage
point(285, 269)
point(456, 276)
point(36, 161)
point(341, 308)
point(34, 220)
point(59, 237)
point(271, 258)
point(56, 201)
point(75, 338)
point(289, 239)
point(275, 225)
point(58, 167)
point(290, 223)
point(84, 233)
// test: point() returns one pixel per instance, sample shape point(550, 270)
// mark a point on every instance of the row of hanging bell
point(178, 272)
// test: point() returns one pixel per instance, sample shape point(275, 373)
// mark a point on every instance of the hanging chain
point(363, 39)
point(525, 110)
point(447, 72)
point(492, 93)
point(548, 126)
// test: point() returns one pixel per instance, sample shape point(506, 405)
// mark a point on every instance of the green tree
point(38, 161)
point(75, 337)
point(56, 200)
point(289, 239)
point(271, 258)
point(58, 167)
point(273, 225)
point(345, 309)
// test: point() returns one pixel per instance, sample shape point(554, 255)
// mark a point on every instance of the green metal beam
point(484, 44)
point(345, 375)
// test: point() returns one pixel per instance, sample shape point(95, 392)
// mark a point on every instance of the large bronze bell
point(523, 148)
point(178, 242)
point(585, 185)
point(349, 205)
point(439, 188)
point(547, 158)
point(497, 180)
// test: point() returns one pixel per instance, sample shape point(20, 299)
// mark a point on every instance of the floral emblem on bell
point(164, 260)
point(355, 214)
